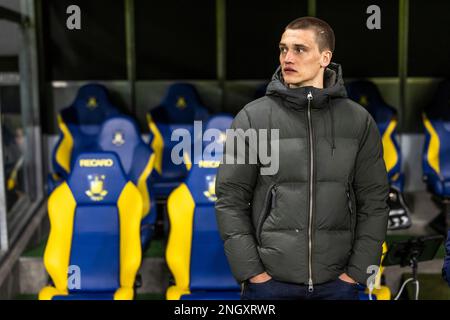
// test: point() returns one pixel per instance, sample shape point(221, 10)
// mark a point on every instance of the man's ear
point(325, 58)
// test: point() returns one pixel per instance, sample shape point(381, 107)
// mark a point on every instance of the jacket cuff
point(252, 271)
point(243, 257)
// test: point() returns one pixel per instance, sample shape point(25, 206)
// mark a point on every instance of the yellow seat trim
point(130, 214)
point(124, 294)
point(389, 151)
point(180, 206)
point(61, 211)
point(175, 293)
point(382, 293)
point(64, 151)
point(157, 143)
point(142, 185)
point(47, 293)
point(187, 161)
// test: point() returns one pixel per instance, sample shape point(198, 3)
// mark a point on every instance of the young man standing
point(315, 228)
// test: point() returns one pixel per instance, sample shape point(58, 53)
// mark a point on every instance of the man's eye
point(283, 50)
point(299, 50)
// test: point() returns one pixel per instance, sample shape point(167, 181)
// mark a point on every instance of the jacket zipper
point(311, 190)
point(270, 199)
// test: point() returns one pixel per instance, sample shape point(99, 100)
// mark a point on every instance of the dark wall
point(429, 39)
point(254, 29)
point(175, 40)
point(361, 51)
point(97, 51)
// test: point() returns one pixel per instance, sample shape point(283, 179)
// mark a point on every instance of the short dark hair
point(323, 31)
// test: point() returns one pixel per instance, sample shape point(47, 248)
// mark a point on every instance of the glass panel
point(13, 140)
point(21, 187)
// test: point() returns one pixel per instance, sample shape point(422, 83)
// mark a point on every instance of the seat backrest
point(162, 147)
point(79, 125)
point(367, 95)
point(195, 252)
point(178, 110)
point(436, 118)
point(95, 224)
point(181, 105)
point(89, 109)
point(260, 91)
point(120, 134)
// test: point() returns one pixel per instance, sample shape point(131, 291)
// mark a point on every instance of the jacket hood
point(297, 97)
point(333, 88)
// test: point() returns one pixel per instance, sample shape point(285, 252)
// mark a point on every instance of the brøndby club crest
point(181, 103)
point(210, 192)
point(363, 101)
point(92, 103)
point(96, 184)
point(118, 139)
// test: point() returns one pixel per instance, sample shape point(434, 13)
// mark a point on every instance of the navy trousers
point(278, 290)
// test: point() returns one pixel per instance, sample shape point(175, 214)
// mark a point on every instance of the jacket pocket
point(269, 204)
point(352, 210)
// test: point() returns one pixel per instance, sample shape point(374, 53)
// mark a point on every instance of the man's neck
point(317, 82)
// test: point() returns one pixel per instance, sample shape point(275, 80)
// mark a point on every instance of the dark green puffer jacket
point(325, 211)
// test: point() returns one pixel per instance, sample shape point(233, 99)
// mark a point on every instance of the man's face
point(300, 58)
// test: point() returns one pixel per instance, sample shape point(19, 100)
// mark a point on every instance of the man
point(314, 229)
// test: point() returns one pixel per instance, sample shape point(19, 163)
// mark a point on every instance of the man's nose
point(289, 58)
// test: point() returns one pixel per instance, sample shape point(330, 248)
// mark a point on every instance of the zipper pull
point(310, 286)
point(309, 96)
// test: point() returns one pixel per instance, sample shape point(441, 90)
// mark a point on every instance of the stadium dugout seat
point(178, 110)
point(120, 134)
point(93, 250)
point(195, 253)
point(367, 95)
point(436, 154)
point(79, 126)
point(260, 91)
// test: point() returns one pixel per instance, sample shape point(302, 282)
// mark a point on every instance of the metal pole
point(221, 41)
point(29, 96)
point(312, 8)
point(3, 219)
point(131, 51)
point(403, 28)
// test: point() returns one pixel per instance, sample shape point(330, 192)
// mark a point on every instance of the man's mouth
point(289, 70)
